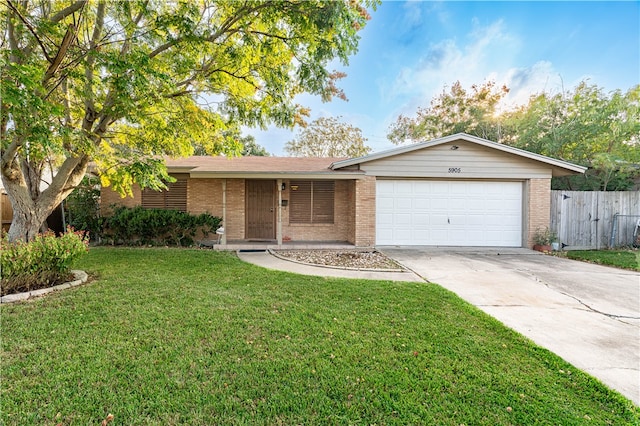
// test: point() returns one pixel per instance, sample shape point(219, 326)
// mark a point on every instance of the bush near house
point(40, 263)
point(82, 208)
point(140, 226)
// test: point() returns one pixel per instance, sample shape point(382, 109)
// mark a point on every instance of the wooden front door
point(261, 209)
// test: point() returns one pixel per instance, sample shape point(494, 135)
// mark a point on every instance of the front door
point(261, 209)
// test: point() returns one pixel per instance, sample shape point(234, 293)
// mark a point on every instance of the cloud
point(527, 81)
point(446, 61)
point(485, 54)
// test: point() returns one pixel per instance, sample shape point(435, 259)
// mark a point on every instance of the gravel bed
point(356, 259)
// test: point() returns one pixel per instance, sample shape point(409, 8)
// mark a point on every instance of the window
point(174, 198)
point(311, 201)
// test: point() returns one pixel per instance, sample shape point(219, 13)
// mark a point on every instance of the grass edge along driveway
point(168, 336)
point(624, 259)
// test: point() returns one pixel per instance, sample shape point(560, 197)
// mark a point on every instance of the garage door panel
point(402, 234)
point(420, 219)
point(385, 218)
point(421, 203)
point(439, 204)
point(385, 203)
point(438, 220)
point(402, 219)
point(385, 234)
point(455, 213)
point(403, 203)
point(476, 220)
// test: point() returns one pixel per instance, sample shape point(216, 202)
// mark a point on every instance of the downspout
point(223, 240)
point(279, 225)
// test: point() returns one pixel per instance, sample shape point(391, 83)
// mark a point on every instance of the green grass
point(625, 259)
point(167, 336)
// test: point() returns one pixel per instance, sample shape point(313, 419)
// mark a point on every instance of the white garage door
point(448, 213)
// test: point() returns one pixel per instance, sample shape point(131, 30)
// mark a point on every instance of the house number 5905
point(455, 170)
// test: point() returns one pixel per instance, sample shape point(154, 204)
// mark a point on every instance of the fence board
point(584, 219)
point(6, 212)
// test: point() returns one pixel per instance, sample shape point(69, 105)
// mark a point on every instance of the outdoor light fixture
point(284, 186)
point(454, 147)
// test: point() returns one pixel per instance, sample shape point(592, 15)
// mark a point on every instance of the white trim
point(459, 136)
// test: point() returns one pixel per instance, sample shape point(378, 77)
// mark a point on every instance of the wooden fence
point(586, 219)
point(6, 212)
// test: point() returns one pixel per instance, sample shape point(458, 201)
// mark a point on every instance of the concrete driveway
point(587, 314)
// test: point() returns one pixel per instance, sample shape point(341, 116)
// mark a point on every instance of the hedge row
point(140, 226)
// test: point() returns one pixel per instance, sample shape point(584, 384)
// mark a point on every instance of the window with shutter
point(311, 201)
point(300, 202)
point(173, 198)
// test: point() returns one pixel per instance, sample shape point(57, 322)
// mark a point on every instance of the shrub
point(138, 226)
point(40, 263)
point(83, 208)
point(544, 237)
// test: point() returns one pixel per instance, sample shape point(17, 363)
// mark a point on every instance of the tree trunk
point(30, 211)
point(25, 226)
point(28, 214)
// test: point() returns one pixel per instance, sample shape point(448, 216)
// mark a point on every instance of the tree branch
point(68, 11)
point(31, 29)
point(68, 38)
point(89, 105)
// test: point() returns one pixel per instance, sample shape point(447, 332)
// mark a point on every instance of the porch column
point(279, 224)
point(223, 240)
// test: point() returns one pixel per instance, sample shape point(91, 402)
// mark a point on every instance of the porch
point(244, 245)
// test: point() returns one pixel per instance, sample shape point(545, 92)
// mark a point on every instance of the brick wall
point(109, 197)
point(351, 212)
point(235, 220)
point(365, 212)
point(538, 207)
point(204, 196)
point(337, 231)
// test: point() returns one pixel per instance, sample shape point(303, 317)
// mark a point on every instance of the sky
point(411, 51)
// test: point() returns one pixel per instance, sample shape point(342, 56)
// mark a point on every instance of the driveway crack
point(589, 308)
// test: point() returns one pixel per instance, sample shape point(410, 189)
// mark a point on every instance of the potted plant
point(543, 238)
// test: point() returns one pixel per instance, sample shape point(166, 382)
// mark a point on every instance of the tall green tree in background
point(251, 147)
point(247, 146)
point(457, 110)
point(585, 126)
point(328, 137)
point(122, 83)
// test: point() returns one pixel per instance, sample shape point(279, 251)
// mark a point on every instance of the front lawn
point(626, 259)
point(168, 336)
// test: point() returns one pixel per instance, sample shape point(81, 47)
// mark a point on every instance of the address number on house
point(455, 170)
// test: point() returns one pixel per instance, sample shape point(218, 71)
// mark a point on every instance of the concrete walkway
point(266, 260)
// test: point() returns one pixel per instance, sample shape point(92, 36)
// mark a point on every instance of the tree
point(121, 84)
point(251, 147)
point(585, 126)
point(459, 110)
point(328, 137)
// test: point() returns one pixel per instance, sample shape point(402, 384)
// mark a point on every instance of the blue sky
point(410, 51)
